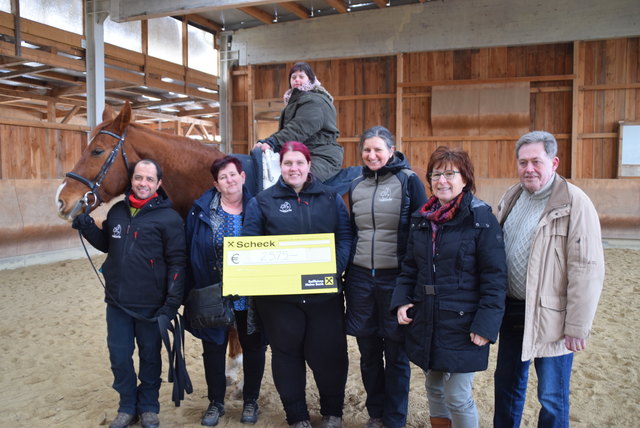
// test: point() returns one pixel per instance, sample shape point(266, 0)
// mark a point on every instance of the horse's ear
point(123, 119)
point(107, 113)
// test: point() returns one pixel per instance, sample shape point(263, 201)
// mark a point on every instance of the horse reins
point(97, 181)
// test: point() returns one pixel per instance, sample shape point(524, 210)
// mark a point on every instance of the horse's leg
point(234, 361)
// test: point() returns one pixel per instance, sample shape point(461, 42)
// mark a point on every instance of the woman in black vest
point(381, 200)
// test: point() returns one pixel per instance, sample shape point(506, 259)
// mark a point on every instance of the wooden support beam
point(551, 78)
point(21, 71)
point(251, 98)
point(214, 111)
point(17, 40)
point(337, 5)
point(259, 14)
point(577, 115)
point(204, 132)
point(27, 94)
point(38, 55)
point(191, 126)
point(204, 22)
point(155, 116)
point(46, 125)
point(70, 114)
point(298, 10)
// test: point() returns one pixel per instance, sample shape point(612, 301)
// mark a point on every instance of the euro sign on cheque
point(279, 265)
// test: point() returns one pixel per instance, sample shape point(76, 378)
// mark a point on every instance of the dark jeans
point(214, 358)
point(512, 374)
point(123, 333)
point(385, 370)
point(311, 333)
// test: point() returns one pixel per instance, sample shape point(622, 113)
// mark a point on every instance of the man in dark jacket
point(144, 274)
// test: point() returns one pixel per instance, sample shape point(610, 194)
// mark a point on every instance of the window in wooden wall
point(203, 55)
point(629, 165)
point(63, 14)
point(165, 39)
point(127, 34)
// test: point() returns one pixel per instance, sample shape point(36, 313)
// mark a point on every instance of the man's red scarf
point(139, 203)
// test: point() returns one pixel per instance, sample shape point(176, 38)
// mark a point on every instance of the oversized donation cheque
point(279, 264)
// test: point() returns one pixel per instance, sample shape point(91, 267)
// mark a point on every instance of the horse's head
point(101, 173)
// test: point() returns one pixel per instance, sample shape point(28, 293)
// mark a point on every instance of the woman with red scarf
point(451, 290)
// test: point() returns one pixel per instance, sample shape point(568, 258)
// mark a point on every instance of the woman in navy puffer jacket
point(454, 279)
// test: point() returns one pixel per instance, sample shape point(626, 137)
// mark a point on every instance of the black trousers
point(253, 360)
point(311, 333)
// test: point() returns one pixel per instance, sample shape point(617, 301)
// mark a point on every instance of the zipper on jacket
point(373, 223)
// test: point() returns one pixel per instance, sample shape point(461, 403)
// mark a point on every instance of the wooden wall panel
point(38, 153)
point(611, 81)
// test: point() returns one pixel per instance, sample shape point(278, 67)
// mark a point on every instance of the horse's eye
point(97, 152)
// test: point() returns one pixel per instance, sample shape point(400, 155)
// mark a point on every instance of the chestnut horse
point(101, 173)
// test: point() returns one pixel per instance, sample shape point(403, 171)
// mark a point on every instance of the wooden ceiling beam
point(337, 5)
point(200, 112)
point(298, 10)
point(33, 96)
point(43, 57)
point(259, 14)
point(82, 88)
point(204, 22)
point(21, 71)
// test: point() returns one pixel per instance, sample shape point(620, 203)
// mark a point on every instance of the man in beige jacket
point(556, 271)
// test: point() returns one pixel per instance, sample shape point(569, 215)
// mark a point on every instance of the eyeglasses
point(448, 175)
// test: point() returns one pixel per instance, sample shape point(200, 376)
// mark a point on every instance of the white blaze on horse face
point(60, 203)
point(144, 182)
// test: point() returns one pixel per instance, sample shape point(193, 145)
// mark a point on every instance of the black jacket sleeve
point(176, 258)
point(98, 238)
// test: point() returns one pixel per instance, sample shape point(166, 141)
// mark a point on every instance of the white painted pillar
point(96, 11)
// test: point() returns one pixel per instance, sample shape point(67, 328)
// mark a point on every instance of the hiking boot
point(123, 420)
point(374, 423)
point(212, 415)
point(331, 422)
point(250, 412)
point(149, 420)
point(302, 424)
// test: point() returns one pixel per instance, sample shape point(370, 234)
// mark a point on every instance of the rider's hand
point(82, 222)
point(266, 144)
point(261, 146)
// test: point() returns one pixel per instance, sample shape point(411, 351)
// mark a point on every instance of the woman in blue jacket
point(306, 328)
point(454, 279)
point(381, 200)
point(219, 213)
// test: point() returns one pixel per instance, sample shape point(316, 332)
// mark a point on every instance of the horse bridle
point(97, 181)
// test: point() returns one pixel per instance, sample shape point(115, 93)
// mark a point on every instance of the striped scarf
point(438, 214)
